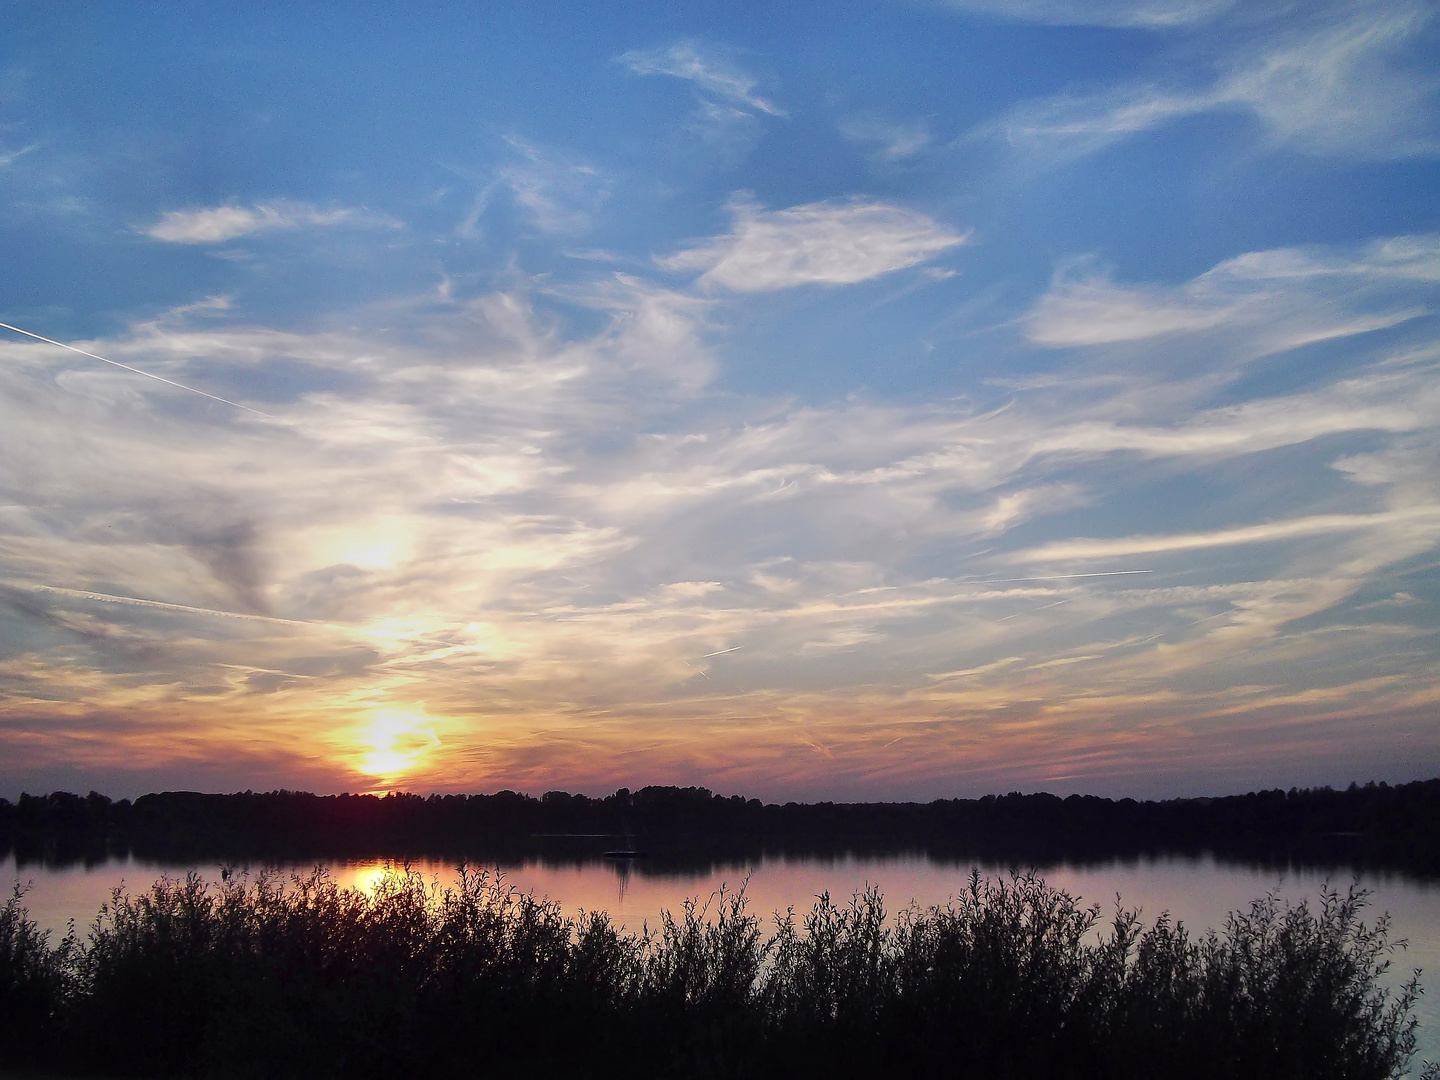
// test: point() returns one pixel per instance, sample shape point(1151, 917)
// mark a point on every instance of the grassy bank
point(299, 977)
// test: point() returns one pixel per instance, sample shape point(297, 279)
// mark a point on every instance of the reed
point(272, 976)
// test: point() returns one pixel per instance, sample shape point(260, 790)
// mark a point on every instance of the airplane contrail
point(135, 601)
point(698, 671)
point(186, 609)
point(137, 371)
point(1050, 577)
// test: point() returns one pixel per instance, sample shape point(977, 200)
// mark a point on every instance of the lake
point(1198, 891)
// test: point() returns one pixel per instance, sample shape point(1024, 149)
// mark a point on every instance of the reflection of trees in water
point(671, 858)
point(622, 880)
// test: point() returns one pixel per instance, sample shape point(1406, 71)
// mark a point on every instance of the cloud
point(1346, 87)
point(890, 141)
point(533, 532)
point(1342, 88)
point(9, 157)
point(1093, 311)
point(1152, 15)
point(1293, 528)
point(829, 243)
point(1398, 600)
point(560, 194)
point(1070, 126)
point(655, 330)
point(712, 77)
point(729, 113)
point(1284, 297)
point(217, 224)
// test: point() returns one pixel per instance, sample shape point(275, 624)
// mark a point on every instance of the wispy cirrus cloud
point(560, 193)
point(1293, 296)
point(828, 243)
point(888, 140)
point(711, 76)
point(217, 224)
point(1343, 88)
point(1346, 85)
point(729, 112)
point(1269, 532)
point(539, 546)
point(1146, 14)
point(9, 157)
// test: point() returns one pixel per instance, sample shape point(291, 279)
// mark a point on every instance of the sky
point(889, 400)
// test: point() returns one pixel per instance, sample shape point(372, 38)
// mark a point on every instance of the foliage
point(300, 977)
point(36, 983)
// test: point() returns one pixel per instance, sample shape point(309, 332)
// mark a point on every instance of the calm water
point(1199, 892)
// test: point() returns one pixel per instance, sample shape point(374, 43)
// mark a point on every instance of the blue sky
point(851, 401)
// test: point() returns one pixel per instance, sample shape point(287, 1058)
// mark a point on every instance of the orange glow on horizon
point(395, 743)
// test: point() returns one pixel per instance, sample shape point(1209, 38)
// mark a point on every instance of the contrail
point(1049, 577)
point(699, 671)
point(137, 371)
point(722, 652)
point(186, 609)
point(135, 601)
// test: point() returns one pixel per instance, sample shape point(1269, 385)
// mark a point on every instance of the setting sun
point(394, 742)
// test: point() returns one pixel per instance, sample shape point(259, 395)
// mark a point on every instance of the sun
point(394, 743)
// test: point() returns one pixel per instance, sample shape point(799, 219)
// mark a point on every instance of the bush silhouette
point(300, 977)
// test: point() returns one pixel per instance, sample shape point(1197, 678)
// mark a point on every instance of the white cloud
point(684, 60)
point(729, 131)
point(1342, 88)
point(1397, 259)
point(1256, 425)
point(217, 224)
point(1094, 311)
point(1069, 126)
point(538, 536)
point(891, 141)
point(1152, 14)
point(1284, 297)
point(560, 194)
point(830, 243)
point(1397, 600)
point(655, 330)
point(1293, 528)
point(9, 157)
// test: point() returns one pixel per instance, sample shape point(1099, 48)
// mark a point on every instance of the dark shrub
point(36, 984)
point(269, 977)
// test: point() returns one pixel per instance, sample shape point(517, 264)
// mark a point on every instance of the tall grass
point(300, 977)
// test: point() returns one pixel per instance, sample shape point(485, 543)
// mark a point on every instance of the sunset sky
point(833, 400)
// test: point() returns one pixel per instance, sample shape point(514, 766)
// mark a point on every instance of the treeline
point(268, 978)
point(1375, 823)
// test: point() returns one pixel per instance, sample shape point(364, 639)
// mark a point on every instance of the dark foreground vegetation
point(1369, 825)
point(269, 977)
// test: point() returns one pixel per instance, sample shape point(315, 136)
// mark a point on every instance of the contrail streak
point(135, 601)
point(186, 609)
point(1050, 577)
point(216, 612)
point(137, 371)
point(698, 671)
